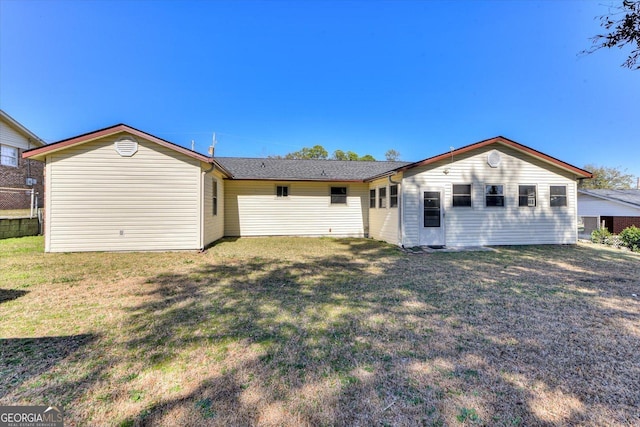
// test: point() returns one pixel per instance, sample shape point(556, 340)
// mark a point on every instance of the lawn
point(294, 331)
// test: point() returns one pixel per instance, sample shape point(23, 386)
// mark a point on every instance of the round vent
point(126, 146)
point(494, 159)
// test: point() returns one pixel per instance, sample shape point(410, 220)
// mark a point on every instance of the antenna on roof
point(213, 144)
point(193, 145)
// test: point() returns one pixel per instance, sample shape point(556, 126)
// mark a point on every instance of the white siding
point(480, 225)
point(99, 201)
point(384, 222)
point(213, 224)
point(10, 136)
point(252, 209)
point(595, 206)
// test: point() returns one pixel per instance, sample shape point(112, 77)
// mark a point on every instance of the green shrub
point(630, 236)
point(601, 235)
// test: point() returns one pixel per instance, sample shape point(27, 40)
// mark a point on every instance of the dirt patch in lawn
point(286, 331)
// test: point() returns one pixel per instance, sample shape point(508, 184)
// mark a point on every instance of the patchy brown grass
point(286, 331)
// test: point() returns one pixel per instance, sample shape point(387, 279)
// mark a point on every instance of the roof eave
point(40, 152)
point(297, 179)
point(580, 173)
point(36, 139)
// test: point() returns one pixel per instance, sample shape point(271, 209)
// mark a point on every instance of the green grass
point(294, 331)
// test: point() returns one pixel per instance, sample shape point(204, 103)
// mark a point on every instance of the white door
point(432, 217)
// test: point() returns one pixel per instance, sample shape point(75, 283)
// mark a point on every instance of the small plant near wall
point(630, 236)
point(600, 235)
point(604, 237)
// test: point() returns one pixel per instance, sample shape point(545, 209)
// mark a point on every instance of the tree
point(607, 177)
point(319, 152)
point(623, 26)
point(392, 155)
point(315, 152)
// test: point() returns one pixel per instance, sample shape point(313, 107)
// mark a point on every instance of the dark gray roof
point(626, 196)
point(305, 170)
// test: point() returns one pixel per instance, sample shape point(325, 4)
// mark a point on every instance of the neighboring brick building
point(617, 209)
point(17, 175)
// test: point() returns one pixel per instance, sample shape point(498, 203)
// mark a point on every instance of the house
point(123, 189)
point(18, 176)
point(616, 209)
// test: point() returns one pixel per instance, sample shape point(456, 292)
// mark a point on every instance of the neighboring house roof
point(631, 197)
point(503, 141)
point(34, 139)
point(40, 152)
point(305, 170)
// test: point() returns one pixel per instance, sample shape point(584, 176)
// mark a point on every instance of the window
point(558, 195)
point(382, 197)
point(527, 196)
point(494, 195)
point(461, 195)
point(8, 156)
point(282, 191)
point(393, 196)
point(214, 197)
point(372, 198)
point(338, 195)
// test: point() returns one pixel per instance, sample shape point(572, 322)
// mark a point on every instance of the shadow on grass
point(334, 344)
point(7, 295)
point(24, 358)
point(370, 335)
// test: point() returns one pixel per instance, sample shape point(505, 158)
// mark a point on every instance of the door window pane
point(432, 209)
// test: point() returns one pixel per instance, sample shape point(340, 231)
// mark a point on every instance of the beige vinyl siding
point(213, 224)
point(10, 136)
point(480, 225)
point(384, 222)
point(595, 206)
point(251, 208)
point(98, 200)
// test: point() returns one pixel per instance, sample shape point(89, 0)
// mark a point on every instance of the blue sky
point(270, 77)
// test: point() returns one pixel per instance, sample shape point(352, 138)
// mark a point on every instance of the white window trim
point(346, 201)
point(288, 187)
point(566, 196)
point(504, 196)
point(470, 184)
point(537, 196)
point(397, 196)
point(16, 158)
point(214, 197)
point(380, 200)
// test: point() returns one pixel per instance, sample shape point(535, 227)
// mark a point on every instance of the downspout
point(202, 207)
point(400, 210)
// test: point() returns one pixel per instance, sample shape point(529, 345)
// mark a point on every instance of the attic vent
point(126, 146)
point(494, 159)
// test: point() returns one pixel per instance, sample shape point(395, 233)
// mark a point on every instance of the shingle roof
point(305, 170)
point(626, 196)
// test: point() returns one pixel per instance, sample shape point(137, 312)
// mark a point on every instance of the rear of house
point(122, 189)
